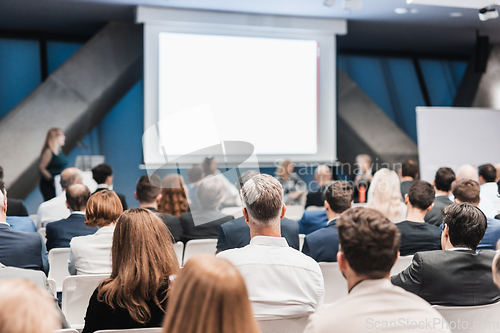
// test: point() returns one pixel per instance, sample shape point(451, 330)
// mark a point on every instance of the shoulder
point(234, 224)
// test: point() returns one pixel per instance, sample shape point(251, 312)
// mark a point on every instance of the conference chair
point(289, 324)
point(312, 208)
point(473, 319)
point(335, 283)
point(76, 294)
point(53, 286)
point(294, 212)
point(401, 264)
point(301, 241)
point(133, 330)
point(235, 212)
point(42, 232)
point(58, 271)
point(66, 330)
point(198, 246)
point(179, 251)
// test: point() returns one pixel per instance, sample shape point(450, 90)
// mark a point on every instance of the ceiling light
point(414, 10)
point(353, 4)
point(401, 11)
point(329, 3)
point(456, 14)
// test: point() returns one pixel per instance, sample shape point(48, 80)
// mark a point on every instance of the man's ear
point(327, 205)
point(5, 206)
point(407, 199)
point(352, 204)
point(67, 206)
point(341, 260)
point(397, 258)
point(430, 208)
point(158, 198)
point(446, 231)
point(135, 196)
point(245, 214)
point(283, 211)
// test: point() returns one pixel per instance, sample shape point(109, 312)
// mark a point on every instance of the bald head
point(69, 177)
point(322, 175)
point(467, 171)
point(77, 196)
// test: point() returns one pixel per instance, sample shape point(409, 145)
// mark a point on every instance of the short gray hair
point(70, 176)
point(263, 198)
point(211, 192)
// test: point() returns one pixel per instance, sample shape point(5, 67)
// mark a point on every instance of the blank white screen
point(260, 90)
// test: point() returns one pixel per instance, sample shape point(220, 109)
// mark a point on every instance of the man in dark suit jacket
point(408, 173)
point(442, 185)
point(15, 207)
point(322, 245)
point(322, 176)
point(103, 175)
point(60, 233)
point(149, 196)
point(312, 220)
point(456, 275)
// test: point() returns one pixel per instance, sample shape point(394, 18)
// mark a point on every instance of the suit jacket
point(201, 224)
point(491, 236)
point(21, 223)
point(418, 237)
point(91, 254)
point(121, 196)
point(59, 233)
point(312, 221)
point(405, 186)
point(322, 245)
point(435, 215)
point(451, 278)
point(23, 249)
point(315, 198)
point(16, 207)
point(173, 224)
point(236, 234)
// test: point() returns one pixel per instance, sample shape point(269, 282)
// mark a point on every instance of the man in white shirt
point(281, 281)
point(55, 209)
point(489, 188)
point(467, 171)
point(369, 245)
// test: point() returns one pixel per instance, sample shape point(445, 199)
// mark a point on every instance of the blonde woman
point(52, 162)
point(209, 296)
point(293, 186)
point(384, 195)
point(173, 200)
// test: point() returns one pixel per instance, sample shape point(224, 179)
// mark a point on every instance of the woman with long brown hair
point(293, 186)
point(52, 161)
point(173, 200)
point(136, 293)
point(209, 296)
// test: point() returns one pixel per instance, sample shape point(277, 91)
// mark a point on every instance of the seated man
point(409, 173)
point(456, 275)
point(60, 233)
point(467, 171)
point(17, 248)
point(312, 220)
point(281, 281)
point(442, 185)
point(369, 245)
point(323, 244)
point(21, 223)
point(416, 235)
point(15, 207)
point(488, 181)
point(322, 176)
point(103, 176)
point(194, 176)
point(236, 233)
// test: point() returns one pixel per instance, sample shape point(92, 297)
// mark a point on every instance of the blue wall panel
point(58, 53)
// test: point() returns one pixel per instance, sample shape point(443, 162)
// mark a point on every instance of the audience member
point(369, 245)
point(52, 162)
point(497, 167)
point(322, 176)
point(466, 190)
point(60, 233)
point(293, 186)
point(442, 186)
point(362, 178)
point(495, 269)
point(206, 222)
point(103, 176)
point(15, 207)
point(489, 187)
point(21, 223)
point(236, 233)
point(384, 195)
point(416, 235)
point(409, 173)
point(91, 254)
point(467, 171)
point(136, 293)
point(312, 220)
point(26, 308)
point(281, 281)
point(456, 275)
point(149, 196)
point(18, 248)
point(173, 200)
point(322, 245)
point(194, 176)
point(209, 296)
point(55, 209)
point(231, 196)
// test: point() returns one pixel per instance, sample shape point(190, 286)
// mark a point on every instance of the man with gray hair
point(322, 176)
point(55, 209)
point(281, 281)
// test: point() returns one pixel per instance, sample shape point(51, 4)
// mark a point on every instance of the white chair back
point(42, 232)
point(66, 330)
point(311, 208)
point(401, 264)
point(294, 212)
point(58, 271)
point(133, 330)
point(198, 246)
point(53, 285)
point(465, 319)
point(233, 211)
point(335, 283)
point(76, 294)
point(301, 241)
point(179, 251)
point(292, 324)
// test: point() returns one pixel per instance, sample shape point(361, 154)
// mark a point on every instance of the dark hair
point(101, 172)
point(103, 208)
point(467, 190)
point(339, 196)
point(444, 178)
point(488, 172)
point(206, 165)
point(421, 194)
point(369, 241)
point(410, 168)
point(1, 172)
point(2, 188)
point(77, 196)
point(466, 224)
point(244, 178)
point(195, 174)
point(263, 198)
point(147, 192)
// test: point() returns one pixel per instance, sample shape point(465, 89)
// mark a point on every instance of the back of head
point(1, 172)
point(467, 171)
point(369, 241)
point(488, 172)
point(410, 168)
point(263, 198)
point(384, 194)
point(103, 208)
point(244, 178)
point(444, 178)
point(101, 172)
point(70, 176)
point(173, 196)
point(3, 196)
point(143, 258)
point(211, 192)
point(25, 308)
point(146, 191)
point(282, 168)
point(207, 166)
point(339, 196)
point(323, 174)
point(421, 195)
point(209, 296)
point(466, 223)
point(195, 174)
point(77, 196)
point(467, 190)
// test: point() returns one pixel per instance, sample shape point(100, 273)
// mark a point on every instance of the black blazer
point(121, 196)
point(236, 234)
point(202, 224)
point(60, 233)
point(322, 245)
point(173, 224)
point(435, 215)
point(451, 278)
point(16, 207)
point(315, 198)
point(418, 237)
